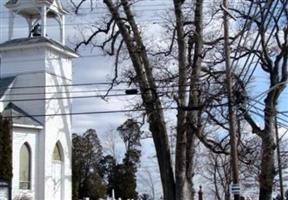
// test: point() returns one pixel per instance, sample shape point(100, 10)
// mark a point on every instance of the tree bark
point(267, 168)
point(268, 147)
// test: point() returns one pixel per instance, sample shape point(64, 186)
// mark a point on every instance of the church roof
point(19, 116)
point(34, 40)
point(4, 84)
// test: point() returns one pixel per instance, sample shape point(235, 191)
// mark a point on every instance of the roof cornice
point(27, 126)
point(63, 50)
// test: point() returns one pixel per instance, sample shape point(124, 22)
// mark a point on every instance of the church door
point(57, 173)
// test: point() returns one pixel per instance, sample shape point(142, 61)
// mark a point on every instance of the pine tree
point(5, 150)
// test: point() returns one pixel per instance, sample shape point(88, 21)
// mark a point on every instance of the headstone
point(4, 191)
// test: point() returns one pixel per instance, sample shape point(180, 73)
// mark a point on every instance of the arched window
point(56, 153)
point(25, 167)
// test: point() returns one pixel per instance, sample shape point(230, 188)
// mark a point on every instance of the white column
point(11, 25)
point(29, 21)
point(62, 32)
point(44, 20)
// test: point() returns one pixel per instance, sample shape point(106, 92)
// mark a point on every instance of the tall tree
point(5, 150)
point(121, 177)
point(130, 133)
point(86, 166)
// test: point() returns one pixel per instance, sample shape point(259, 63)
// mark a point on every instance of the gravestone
point(4, 190)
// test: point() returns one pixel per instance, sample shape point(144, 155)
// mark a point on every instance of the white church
point(36, 72)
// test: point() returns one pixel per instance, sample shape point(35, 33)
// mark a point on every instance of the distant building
point(35, 73)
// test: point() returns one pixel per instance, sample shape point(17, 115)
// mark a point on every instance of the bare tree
point(272, 56)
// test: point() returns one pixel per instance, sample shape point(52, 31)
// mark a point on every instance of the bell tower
point(36, 12)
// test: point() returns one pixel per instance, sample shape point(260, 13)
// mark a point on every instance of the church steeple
point(40, 68)
point(36, 12)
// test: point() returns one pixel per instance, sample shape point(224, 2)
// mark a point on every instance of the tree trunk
point(268, 147)
point(194, 116)
point(163, 155)
point(267, 169)
point(182, 185)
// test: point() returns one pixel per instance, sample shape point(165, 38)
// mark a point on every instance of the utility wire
point(126, 111)
point(87, 91)
point(262, 104)
point(143, 9)
point(67, 92)
point(67, 96)
point(92, 84)
point(63, 85)
point(283, 124)
point(76, 97)
point(105, 8)
point(103, 90)
point(247, 25)
point(140, 19)
point(259, 115)
point(135, 6)
point(49, 59)
point(88, 113)
point(94, 90)
point(280, 118)
point(167, 108)
point(58, 58)
point(86, 56)
point(269, 5)
point(74, 24)
point(266, 43)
